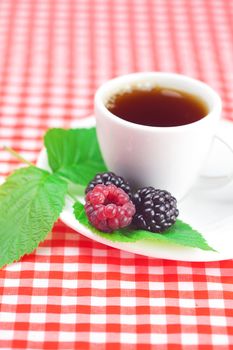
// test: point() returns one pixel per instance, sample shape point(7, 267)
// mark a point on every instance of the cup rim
point(213, 113)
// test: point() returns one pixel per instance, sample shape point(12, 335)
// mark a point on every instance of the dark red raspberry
point(109, 208)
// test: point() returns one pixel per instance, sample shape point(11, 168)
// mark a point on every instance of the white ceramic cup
point(169, 158)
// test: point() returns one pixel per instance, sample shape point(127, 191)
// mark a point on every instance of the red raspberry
point(109, 208)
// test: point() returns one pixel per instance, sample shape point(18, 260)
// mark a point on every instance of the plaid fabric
point(74, 293)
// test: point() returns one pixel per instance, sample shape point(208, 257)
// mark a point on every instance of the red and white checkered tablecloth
point(72, 292)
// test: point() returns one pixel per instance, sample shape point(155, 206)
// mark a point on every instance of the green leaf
point(180, 233)
point(31, 200)
point(74, 154)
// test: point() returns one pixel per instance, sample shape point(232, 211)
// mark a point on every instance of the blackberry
point(156, 210)
point(109, 178)
point(109, 208)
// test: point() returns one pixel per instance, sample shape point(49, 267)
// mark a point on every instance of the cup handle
point(208, 182)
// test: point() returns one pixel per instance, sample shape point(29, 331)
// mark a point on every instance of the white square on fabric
point(32, 120)
point(37, 317)
point(185, 285)
point(71, 251)
point(188, 319)
point(67, 337)
point(220, 339)
point(15, 266)
point(157, 301)
point(9, 109)
point(71, 284)
point(7, 335)
point(128, 319)
point(55, 122)
point(99, 268)
point(98, 319)
point(216, 303)
point(189, 339)
point(128, 301)
point(218, 321)
point(7, 317)
point(214, 286)
point(98, 301)
point(56, 111)
point(156, 286)
point(68, 300)
point(158, 319)
point(29, 144)
point(40, 283)
point(33, 111)
point(11, 282)
point(189, 303)
point(158, 338)
point(68, 318)
point(6, 132)
point(213, 272)
point(128, 338)
point(99, 284)
point(39, 300)
point(36, 336)
point(9, 299)
point(42, 267)
point(97, 337)
point(4, 169)
point(127, 285)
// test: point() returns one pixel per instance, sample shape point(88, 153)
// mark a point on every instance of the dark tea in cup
point(157, 106)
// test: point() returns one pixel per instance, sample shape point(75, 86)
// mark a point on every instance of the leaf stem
point(22, 159)
point(17, 155)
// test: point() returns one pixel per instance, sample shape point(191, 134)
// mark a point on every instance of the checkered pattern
point(74, 293)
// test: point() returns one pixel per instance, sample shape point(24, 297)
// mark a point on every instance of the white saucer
point(210, 211)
